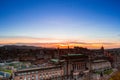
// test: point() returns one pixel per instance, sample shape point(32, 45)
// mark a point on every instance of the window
point(28, 72)
point(19, 74)
point(33, 77)
point(33, 72)
point(21, 78)
point(28, 76)
point(25, 73)
point(25, 78)
point(36, 71)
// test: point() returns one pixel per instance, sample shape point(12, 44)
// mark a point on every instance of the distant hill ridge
point(19, 47)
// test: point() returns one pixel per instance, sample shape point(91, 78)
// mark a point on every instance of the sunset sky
point(59, 23)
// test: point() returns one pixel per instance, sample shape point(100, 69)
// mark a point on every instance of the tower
point(102, 50)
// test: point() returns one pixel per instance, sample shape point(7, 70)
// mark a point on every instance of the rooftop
point(54, 60)
point(99, 60)
point(57, 60)
point(73, 55)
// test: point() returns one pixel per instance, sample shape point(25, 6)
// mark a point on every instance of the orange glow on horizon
point(91, 46)
point(55, 43)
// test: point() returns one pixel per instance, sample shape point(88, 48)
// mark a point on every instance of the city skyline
point(59, 23)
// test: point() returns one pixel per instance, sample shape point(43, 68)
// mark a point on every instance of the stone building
point(74, 65)
point(47, 73)
point(99, 65)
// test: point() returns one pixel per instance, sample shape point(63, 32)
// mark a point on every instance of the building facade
point(74, 66)
point(49, 73)
point(99, 65)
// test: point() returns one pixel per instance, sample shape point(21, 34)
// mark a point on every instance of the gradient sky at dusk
point(56, 21)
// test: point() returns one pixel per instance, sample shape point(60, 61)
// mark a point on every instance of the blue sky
point(75, 20)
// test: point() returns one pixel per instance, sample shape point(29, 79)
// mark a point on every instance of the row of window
point(35, 72)
point(78, 66)
point(43, 75)
point(101, 65)
point(27, 73)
